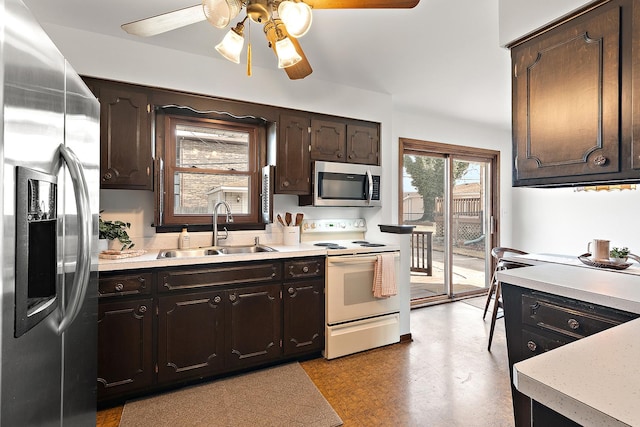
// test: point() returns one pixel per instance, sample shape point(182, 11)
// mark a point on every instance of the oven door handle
point(354, 259)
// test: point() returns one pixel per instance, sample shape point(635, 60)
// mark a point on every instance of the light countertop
point(150, 258)
point(595, 380)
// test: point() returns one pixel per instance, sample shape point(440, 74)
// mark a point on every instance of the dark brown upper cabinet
point(126, 154)
point(566, 97)
point(328, 140)
point(293, 167)
point(363, 144)
point(345, 142)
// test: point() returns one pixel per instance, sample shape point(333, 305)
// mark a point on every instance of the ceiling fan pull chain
point(249, 51)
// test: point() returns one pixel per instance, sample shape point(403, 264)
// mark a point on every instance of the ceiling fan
point(284, 21)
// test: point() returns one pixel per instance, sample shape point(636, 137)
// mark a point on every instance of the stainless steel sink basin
point(249, 249)
point(188, 253)
point(213, 250)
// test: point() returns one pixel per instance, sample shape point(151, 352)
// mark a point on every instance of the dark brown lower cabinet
point(125, 346)
point(303, 316)
point(253, 325)
point(201, 321)
point(537, 322)
point(190, 336)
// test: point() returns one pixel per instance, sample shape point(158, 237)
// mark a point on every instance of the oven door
point(349, 289)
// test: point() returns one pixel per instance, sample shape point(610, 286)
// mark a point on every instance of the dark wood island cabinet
point(537, 322)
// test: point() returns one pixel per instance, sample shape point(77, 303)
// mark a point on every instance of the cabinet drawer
point(534, 344)
point(576, 320)
point(298, 269)
point(230, 274)
point(130, 284)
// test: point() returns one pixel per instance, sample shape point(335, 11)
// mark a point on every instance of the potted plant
point(619, 255)
point(116, 230)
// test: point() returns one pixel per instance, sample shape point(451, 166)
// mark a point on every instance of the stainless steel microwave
point(346, 184)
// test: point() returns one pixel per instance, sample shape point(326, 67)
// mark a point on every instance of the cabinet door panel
point(328, 141)
point(363, 144)
point(124, 347)
point(566, 100)
point(253, 322)
point(190, 335)
point(303, 317)
point(125, 142)
point(293, 168)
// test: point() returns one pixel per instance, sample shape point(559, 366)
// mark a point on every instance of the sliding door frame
point(450, 153)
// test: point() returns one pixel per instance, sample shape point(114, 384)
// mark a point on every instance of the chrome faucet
point(215, 222)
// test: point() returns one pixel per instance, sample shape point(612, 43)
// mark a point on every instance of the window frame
point(168, 155)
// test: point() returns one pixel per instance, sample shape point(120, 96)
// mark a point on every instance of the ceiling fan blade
point(165, 22)
point(362, 4)
point(302, 68)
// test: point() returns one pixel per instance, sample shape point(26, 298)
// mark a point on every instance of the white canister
point(291, 236)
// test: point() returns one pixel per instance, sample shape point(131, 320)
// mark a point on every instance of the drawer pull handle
point(119, 287)
point(141, 279)
point(143, 309)
point(573, 324)
point(532, 346)
point(273, 274)
point(232, 297)
point(217, 299)
point(305, 269)
point(291, 291)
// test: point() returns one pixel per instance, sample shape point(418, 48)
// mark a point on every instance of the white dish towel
point(384, 276)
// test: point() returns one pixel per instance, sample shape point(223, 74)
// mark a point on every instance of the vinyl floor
point(444, 377)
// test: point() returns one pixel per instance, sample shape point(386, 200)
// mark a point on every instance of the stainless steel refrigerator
point(49, 205)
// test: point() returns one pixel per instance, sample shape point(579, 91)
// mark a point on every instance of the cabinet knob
point(339, 155)
point(600, 160)
point(305, 269)
point(291, 291)
point(141, 279)
point(273, 274)
point(532, 346)
point(142, 309)
point(573, 324)
point(232, 297)
point(107, 176)
point(119, 287)
point(285, 183)
point(217, 299)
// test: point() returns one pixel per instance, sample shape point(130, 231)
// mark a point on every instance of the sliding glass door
point(449, 194)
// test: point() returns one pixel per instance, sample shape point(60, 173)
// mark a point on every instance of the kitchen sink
point(213, 250)
point(249, 249)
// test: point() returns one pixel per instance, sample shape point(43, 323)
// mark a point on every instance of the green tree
point(427, 175)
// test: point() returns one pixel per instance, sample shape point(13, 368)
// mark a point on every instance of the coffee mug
point(600, 249)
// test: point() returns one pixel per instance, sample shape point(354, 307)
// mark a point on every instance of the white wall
point(563, 221)
point(521, 17)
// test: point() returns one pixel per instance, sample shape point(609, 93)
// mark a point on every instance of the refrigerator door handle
point(83, 260)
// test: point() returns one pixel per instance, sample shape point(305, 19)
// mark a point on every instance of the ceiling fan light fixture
point(220, 12)
point(231, 45)
point(287, 54)
point(296, 16)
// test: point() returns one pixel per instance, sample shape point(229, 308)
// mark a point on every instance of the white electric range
point(355, 319)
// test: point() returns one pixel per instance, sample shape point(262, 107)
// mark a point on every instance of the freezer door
point(48, 375)
point(33, 118)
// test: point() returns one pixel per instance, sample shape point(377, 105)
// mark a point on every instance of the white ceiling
point(442, 57)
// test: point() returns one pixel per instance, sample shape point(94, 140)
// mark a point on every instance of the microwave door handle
point(83, 257)
point(370, 181)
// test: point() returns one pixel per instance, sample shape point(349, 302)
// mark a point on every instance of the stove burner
point(366, 244)
point(330, 245)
